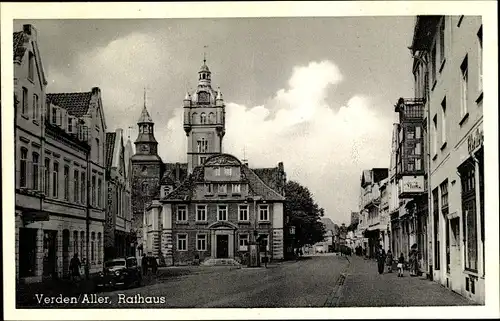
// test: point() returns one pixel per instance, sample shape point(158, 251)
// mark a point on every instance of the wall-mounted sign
point(475, 139)
point(411, 184)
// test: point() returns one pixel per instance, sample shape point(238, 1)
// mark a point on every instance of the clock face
point(145, 148)
point(203, 97)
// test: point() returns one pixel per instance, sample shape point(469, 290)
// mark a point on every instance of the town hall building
point(213, 206)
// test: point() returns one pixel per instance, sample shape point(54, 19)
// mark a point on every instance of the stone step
point(220, 262)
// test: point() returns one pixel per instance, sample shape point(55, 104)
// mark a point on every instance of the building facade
point(59, 207)
point(117, 239)
point(214, 206)
point(448, 53)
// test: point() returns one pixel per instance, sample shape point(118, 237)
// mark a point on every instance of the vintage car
point(119, 272)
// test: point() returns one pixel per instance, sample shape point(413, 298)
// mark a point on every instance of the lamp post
point(253, 248)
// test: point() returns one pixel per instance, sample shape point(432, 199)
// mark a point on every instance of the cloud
point(321, 148)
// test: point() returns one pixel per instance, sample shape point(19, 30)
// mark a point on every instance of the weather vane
point(205, 54)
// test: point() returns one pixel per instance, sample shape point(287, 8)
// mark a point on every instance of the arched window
point(195, 118)
point(211, 118)
point(23, 168)
point(203, 118)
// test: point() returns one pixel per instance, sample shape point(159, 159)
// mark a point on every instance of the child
point(401, 261)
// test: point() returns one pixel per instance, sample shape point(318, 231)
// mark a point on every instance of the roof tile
point(77, 104)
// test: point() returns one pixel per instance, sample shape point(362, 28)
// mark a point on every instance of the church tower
point(204, 120)
point(146, 168)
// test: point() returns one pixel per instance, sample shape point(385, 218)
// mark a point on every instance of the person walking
point(380, 259)
point(401, 262)
point(389, 261)
point(74, 267)
point(154, 265)
point(144, 264)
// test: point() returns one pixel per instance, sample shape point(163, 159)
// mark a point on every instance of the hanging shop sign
point(475, 139)
point(411, 184)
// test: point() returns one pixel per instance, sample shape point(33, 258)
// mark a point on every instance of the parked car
point(119, 272)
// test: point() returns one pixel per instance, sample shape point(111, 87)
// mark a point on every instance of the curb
point(333, 299)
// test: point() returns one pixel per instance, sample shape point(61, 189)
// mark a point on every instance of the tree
point(304, 214)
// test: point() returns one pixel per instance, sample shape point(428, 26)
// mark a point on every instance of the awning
point(36, 216)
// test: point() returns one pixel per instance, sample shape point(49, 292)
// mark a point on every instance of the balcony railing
point(410, 108)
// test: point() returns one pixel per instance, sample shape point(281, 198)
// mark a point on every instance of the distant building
point(213, 206)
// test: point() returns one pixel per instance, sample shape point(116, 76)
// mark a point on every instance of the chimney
point(30, 30)
point(95, 90)
point(177, 172)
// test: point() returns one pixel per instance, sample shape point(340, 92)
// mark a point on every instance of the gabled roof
point(257, 187)
point(268, 176)
point(77, 104)
point(110, 147)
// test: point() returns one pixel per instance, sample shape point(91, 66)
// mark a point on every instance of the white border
point(487, 9)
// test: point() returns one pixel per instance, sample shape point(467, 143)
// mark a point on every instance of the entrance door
point(65, 253)
point(49, 253)
point(222, 246)
point(455, 257)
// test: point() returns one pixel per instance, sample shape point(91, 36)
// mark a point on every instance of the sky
point(314, 93)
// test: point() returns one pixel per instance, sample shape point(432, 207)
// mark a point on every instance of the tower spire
point(205, 54)
point(144, 97)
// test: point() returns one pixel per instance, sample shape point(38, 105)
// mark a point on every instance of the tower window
point(211, 118)
point(203, 118)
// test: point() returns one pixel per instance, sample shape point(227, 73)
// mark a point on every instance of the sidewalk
point(365, 287)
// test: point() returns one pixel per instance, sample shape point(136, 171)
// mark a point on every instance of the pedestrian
point(401, 262)
point(413, 261)
point(380, 259)
point(389, 261)
point(74, 267)
point(144, 264)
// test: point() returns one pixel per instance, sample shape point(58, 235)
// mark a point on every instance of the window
point(76, 195)
point(99, 192)
point(264, 242)
point(444, 194)
point(202, 146)
point(469, 213)
point(24, 109)
point(417, 132)
point(222, 212)
point(93, 190)
point(208, 189)
point(182, 213)
point(464, 84)
point(35, 106)
point(31, 66)
point(410, 132)
point(418, 149)
point(99, 248)
point(443, 121)
point(442, 41)
point(236, 188)
point(55, 180)
point(211, 118)
point(203, 118)
point(97, 149)
point(23, 173)
point(222, 188)
point(92, 248)
point(195, 118)
point(480, 58)
point(243, 242)
point(181, 242)
point(54, 115)
point(70, 124)
point(201, 212)
point(82, 245)
point(202, 160)
point(83, 183)
point(227, 171)
point(66, 182)
point(46, 178)
point(243, 212)
point(201, 242)
point(217, 171)
point(263, 212)
point(418, 164)
point(75, 243)
point(434, 135)
point(36, 166)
